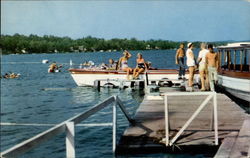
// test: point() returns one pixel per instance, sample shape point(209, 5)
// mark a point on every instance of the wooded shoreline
point(22, 44)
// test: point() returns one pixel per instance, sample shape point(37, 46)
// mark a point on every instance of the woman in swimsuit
point(123, 63)
point(141, 66)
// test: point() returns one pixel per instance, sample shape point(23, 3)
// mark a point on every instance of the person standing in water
point(123, 63)
point(190, 63)
point(203, 66)
point(179, 60)
point(213, 65)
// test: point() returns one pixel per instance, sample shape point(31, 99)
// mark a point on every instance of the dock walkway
point(147, 134)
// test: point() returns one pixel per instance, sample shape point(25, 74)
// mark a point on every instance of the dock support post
point(215, 118)
point(114, 125)
point(70, 142)
point(166, 120)
point(97, 85)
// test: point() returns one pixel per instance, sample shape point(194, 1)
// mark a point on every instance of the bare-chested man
point(213, 65)
point(179, 60)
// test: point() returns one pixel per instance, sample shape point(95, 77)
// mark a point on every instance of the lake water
point(43, 98)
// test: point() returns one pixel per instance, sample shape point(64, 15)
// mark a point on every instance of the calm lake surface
point(43, 98)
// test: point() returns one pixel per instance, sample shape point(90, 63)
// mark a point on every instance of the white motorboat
point(87, 77)
point(234, 72)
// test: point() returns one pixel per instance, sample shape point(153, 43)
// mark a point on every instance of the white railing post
point(114, 125)
point(215, 118)
point(70, 140)
point(212, 118)
point(166, 119)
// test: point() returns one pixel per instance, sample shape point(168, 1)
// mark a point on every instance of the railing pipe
point(114, 125)
point(215, 118)
point(203, 104)
point(68, 126)
point(166, 120)
point(70, 140)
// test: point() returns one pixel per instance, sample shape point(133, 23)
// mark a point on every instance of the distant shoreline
point(21, 44)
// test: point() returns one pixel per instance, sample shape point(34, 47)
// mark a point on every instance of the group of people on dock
point(207, 63)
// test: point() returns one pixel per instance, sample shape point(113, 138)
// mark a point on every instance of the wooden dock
point(147, 134)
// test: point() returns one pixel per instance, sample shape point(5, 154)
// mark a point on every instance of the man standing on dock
point(179, 60)
point(213, 65)
point(202, 66)
point(191, 64)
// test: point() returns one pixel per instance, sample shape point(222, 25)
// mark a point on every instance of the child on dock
point(213, 65)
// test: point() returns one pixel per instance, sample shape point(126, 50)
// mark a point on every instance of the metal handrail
point(210, 95)
point(68, 127)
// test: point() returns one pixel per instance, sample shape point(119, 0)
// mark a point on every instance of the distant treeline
point(51, 44)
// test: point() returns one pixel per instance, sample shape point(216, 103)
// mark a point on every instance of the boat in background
point(234, 71)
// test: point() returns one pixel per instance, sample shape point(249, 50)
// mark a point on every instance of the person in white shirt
point(203, 67)
point(190, 64)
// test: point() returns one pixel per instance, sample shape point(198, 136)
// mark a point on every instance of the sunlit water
point(43, 98)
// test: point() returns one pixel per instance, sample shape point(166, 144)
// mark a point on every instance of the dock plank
point(149, 129)
point(242, 143)
point(227, 145)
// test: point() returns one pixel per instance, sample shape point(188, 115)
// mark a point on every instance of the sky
point(176, 20)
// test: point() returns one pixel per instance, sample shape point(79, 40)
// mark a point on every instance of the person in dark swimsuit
point(141, 66)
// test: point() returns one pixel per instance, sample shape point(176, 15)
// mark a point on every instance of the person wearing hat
point(123, 63)
point(190, 63)
point(179, 60)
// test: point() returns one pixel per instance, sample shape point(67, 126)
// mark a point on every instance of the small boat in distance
point(234, 71)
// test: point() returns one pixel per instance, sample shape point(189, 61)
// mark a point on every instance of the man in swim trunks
point(213, 65)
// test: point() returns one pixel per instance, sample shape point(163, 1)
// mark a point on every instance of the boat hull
point(238, 87)
point(88, 77)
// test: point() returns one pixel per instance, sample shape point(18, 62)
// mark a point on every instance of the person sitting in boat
point(149, 66)
point(141, 66)
point(123, 63)
point(112, 65)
